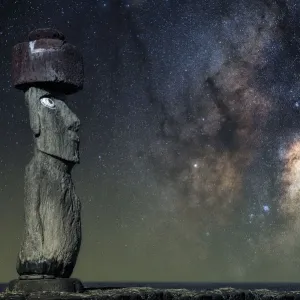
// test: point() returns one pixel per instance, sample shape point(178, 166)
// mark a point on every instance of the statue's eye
point(48, 102)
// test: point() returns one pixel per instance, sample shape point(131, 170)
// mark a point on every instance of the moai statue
point(48, 69)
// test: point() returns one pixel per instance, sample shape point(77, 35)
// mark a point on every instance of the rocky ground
point(150, 293)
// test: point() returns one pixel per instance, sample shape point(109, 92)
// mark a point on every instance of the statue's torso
point(52, 217)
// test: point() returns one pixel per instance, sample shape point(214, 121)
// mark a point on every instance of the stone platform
point(57, 285)
point(153, 294)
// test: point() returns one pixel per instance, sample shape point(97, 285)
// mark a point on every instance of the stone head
point(54, 125)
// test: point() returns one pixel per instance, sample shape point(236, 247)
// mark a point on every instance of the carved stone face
point(54, 125)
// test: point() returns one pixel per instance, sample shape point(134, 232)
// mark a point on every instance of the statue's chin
point(62, 148)
point(73, 159)
point(66, 157)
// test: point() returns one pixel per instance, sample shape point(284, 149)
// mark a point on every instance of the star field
point(190, 164)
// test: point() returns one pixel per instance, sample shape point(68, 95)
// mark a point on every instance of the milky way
point(220, 137)
point(190, 137)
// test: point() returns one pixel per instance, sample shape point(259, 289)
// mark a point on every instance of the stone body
point(52, 234)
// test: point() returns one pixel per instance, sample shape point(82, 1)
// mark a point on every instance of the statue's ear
point(33, 107)
point(35, 123)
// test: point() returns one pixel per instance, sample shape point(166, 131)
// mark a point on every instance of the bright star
point(266, 208)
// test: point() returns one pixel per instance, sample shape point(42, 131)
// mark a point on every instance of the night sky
point(190, 137)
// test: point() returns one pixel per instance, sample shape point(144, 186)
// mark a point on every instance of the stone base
point(70, 285)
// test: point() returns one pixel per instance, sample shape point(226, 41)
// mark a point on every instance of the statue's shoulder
point(38, 168)
point(33, 166)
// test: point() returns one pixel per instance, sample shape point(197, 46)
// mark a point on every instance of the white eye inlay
point(48, 102)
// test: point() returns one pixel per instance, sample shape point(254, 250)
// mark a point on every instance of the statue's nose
point(74, 124)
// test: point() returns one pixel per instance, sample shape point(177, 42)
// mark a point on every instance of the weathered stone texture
point(52, 234)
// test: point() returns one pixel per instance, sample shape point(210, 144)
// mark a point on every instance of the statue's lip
point(74, 136)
